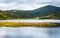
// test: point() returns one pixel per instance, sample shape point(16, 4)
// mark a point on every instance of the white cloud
point(26, 4)
point(14, 5)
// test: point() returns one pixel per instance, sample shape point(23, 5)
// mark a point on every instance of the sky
point(26, 4)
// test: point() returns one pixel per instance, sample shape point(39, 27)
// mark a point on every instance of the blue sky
point(26, 4)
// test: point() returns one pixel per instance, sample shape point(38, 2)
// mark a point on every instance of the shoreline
point(30, 23)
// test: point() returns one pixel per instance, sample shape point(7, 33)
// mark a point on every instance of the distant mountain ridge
point(46, 12)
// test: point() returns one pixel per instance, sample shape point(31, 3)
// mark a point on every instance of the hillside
point(3, 16)
point(52, 16)
point(46, 12)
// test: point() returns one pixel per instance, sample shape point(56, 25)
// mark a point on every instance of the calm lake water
point(29, 32)
point(30, 21)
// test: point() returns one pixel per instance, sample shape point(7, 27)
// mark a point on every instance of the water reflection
point(29, 32)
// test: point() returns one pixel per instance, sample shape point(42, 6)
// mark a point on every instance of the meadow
point(25, 24)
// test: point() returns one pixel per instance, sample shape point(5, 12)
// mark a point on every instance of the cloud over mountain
point(26, 4)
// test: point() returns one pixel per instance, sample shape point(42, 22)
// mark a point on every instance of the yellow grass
point(24, 24)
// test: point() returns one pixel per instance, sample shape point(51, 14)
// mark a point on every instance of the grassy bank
point(24, 24)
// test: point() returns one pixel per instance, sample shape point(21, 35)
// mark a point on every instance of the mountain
point(46, 12)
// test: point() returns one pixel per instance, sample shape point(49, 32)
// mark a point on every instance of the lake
point(30, 21)
point(29, 32)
